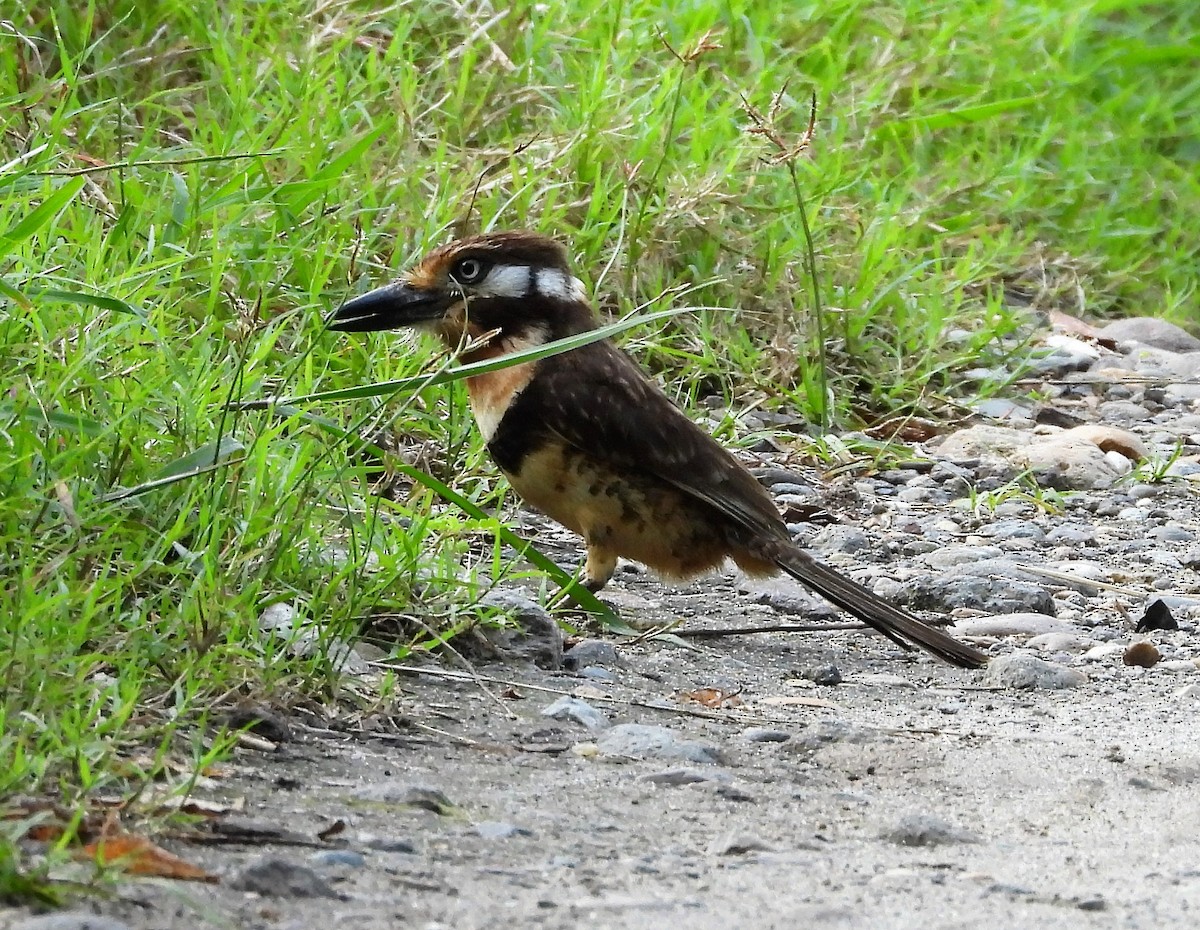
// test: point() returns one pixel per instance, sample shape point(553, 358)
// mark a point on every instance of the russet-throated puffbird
point(588, 439)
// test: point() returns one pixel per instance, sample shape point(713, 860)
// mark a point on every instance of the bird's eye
point(468, 270)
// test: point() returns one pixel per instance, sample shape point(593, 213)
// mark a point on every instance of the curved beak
point(390, 307)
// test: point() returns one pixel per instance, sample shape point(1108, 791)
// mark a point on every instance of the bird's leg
point(597, 570)
point(599, 567)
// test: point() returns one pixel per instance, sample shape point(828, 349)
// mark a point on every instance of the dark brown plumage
point(589, 440)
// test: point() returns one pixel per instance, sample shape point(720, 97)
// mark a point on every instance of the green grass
point(187, 188)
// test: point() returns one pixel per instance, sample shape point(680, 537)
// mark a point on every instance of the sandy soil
point(908, 795)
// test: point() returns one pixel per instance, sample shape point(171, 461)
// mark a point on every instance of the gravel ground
point(761, 779)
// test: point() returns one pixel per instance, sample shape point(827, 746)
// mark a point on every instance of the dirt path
point(896, 793)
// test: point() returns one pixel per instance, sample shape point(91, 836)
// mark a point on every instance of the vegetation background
point(188, 188)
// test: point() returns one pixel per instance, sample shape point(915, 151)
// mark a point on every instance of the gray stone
point(1068, 641)
point(1013, 529)
point(406, 794)
point(1022, 671)
point(826, 674)
point(577, 711)
point(594, 652)
point(1151, 331)
point(766, 735)
point(1016, 624)
point(273, 877)
point(638, 741)
point(499, 830)
point(1001, 408)
point(535, 638)
point(737, 844)
point(847, 539)
point(1123, 412)
point(685, 776)
point(954, 555)
point(339, 859)
point(928, 830)
point(70, 920)
point(989, 594)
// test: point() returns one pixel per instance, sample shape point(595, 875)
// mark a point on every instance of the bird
point(587, 438)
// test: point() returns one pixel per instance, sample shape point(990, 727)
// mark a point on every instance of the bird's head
point(517, 285)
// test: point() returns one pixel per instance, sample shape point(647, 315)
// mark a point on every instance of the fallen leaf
point(712, 697)
point(138, 856)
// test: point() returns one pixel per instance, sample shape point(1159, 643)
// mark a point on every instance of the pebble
point(738, 844)
point(927, 830)
point(594, 652)
point(70, 920)
point(499, 830)
point(765, 735)
point(826, 674)
point(1065, 641)
point(536, 637)
point(403, 793)
point(1019, 624)
point(1021, 671)
point(273, 877)
point(639, 741)
point(338, 859)
point(577, 711)
point(684, 776)
point(991, 595)
point(387, 844)
point(1151, 331)
point(1143, 655)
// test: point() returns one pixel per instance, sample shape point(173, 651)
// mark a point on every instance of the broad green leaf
point(207, 455)
point(38, 217)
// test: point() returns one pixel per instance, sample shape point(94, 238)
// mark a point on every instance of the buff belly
point(637, 517)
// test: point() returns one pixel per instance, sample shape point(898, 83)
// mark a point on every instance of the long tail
point(897, 625)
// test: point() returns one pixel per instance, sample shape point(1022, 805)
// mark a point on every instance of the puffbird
point(588, 439)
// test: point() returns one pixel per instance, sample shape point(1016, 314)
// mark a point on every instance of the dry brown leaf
point(712, 697)
point(139, 856)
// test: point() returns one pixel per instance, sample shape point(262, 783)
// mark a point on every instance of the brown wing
point(598, 401)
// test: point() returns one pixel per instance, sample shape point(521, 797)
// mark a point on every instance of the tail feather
point(897, 625)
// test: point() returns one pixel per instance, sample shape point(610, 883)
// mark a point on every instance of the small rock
point(847, 539)
point(273, 877)
point(987, 593)
point(1014, 529)
point(577, 711)
point(1158, 616)
point(766, 735)
point(1151, 331)
point(536, 637)
point(338, 859)
point(69, 920)
point(1018, 624)
point(826, 674)
point(928, 830)
point(638, 741)
point(999, 408)
point(261, 720)
point(1143, 655)
point(388, 844)
point(594, 652)
point(684, 776)
point(499, 830)
point(735, 844)
point(952, 556)
point(1065, 641)
point(1022, 671)
point(408, 795)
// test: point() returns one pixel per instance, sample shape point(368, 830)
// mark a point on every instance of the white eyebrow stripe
point(507, 281)
point(554, 282)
